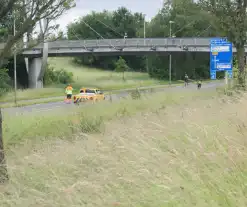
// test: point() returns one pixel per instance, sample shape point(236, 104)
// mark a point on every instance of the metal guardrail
point(133, 42)
point(128, 42)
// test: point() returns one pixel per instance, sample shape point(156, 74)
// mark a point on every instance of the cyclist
point(199, 84)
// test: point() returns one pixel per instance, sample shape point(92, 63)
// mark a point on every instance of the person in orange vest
point(69, 91)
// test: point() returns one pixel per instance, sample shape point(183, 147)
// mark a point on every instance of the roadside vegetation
point(103, 79)
point(167, 149)
point(62, 71)
point(162, 150)
point(190, 19)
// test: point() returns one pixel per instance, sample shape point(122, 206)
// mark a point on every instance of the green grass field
point(106, 80)
point(86, 77)
point(179, 150)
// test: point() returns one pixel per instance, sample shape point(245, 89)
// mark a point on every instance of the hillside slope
point(181, 154)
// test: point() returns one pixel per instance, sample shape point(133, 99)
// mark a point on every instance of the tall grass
point(174, 150)
point(62, 122)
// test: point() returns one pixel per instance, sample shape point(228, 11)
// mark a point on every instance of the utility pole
point(144, 29)
point(170, 56)
point(15, 78)
point(144, 36)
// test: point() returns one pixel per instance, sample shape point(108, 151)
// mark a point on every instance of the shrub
point(135, 94)
point(4, 81)
point(57, 76)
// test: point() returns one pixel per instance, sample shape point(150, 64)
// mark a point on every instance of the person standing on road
point(69, 91)
point(186, 79)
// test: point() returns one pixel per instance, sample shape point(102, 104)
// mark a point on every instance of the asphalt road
point(56, 105)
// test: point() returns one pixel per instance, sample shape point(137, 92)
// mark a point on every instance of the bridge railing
point(131, 42)
point(128, 42)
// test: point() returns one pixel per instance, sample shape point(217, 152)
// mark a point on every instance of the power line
point(200, 33)
point(109, 27)
point(183, 27)
point(97, 33)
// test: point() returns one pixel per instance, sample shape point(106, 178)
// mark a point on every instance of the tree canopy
point(189, 21)
point(202, 18)
point(27, 14)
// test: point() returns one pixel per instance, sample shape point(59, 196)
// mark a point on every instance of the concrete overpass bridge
point(130, 46)
point(37, 56)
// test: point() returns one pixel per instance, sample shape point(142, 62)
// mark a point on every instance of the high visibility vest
point(69, 90)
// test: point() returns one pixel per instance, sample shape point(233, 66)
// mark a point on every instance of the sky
point(83, 7)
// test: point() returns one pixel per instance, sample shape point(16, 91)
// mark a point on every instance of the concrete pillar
point(26, 63)
point(34, 69)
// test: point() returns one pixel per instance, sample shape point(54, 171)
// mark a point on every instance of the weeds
point(88, 118)
point(192, 153)
point(136, 94)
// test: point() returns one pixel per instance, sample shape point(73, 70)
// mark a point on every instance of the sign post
point(220, 58)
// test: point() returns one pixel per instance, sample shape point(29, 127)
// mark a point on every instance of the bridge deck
point(127, 46)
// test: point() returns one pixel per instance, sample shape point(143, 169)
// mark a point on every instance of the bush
point(5, 81)
point(136, 94)
point(57, 76)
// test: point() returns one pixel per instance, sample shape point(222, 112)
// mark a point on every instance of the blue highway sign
point(220, 57)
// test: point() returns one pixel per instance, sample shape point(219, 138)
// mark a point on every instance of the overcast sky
point(83, 7)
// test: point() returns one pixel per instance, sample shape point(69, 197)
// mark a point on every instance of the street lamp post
point(15, 78)
point(144, 29)
point(144, 36)
point(170, 56)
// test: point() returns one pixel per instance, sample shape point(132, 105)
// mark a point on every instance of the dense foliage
point(201, 18)
point(53, 76)
point(188, 22)
point(5, 81)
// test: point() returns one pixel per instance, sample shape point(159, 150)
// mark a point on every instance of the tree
point(121, 66)
point(126, 22)
point(59, 36)
point(231, 18)
point(27, 14)
point(191, 19)
point(4, 81)
point(107, 25)
point(93, 26)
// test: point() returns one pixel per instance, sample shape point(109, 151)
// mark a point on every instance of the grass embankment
point(86, 77)
point(31, 102)
point(169, 150)
point(105, 80)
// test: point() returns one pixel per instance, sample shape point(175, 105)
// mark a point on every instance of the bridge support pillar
point(34, 70)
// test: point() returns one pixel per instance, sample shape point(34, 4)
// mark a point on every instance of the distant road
point(55, 105)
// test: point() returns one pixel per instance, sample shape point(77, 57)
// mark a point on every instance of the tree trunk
point(241, 65)
point(3, 167)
